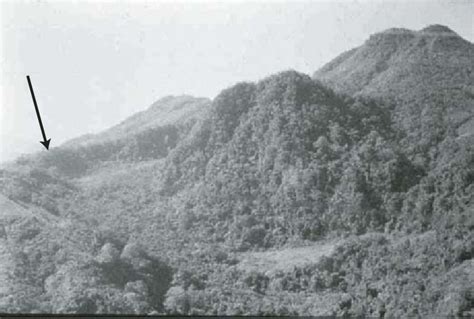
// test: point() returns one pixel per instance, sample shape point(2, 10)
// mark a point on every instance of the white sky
point(92, 64)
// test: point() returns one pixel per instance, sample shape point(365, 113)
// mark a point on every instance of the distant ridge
point(396, 61)
point(168, 110)
point(418, 69)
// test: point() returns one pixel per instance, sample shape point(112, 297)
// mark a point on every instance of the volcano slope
point(362, 176)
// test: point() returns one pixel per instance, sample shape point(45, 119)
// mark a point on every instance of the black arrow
point(45, 141)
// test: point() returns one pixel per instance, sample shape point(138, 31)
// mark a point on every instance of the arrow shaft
point(36, 107)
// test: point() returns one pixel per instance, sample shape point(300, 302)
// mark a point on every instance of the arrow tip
point(46, 143)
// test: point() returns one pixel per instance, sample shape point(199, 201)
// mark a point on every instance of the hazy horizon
point(94, 64)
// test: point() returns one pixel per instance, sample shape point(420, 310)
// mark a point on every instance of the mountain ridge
point(164, 111)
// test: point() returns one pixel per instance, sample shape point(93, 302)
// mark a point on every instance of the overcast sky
point(92, 64)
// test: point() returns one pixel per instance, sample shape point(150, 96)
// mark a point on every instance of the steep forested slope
point(370, 163)
point(275, 157)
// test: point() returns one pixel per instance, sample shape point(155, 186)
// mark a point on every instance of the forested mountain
point(367, 168)
point(429, 73)
point(404, 64)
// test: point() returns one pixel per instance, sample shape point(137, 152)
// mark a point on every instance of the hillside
point(146, 136)
point(350, 193)
point(428, 73)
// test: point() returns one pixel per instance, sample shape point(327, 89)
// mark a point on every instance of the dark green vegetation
point(347, 194)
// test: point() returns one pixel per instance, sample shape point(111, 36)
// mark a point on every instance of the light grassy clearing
point(286, 259)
